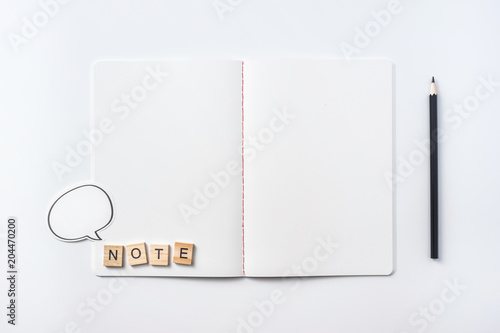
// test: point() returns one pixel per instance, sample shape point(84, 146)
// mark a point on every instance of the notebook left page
point(167, 150)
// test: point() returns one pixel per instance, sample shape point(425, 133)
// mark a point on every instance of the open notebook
point(307, 194)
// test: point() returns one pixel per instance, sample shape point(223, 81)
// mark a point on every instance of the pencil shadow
point(394, 169)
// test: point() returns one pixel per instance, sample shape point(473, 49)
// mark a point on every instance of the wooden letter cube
point(183, 253)
point(136, 254)
point(113, 256)
point(158, 254)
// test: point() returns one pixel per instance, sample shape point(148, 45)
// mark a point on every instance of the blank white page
point(317, 176)
point(170, 135)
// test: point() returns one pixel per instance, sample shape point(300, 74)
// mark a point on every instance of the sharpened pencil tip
point(433, 87)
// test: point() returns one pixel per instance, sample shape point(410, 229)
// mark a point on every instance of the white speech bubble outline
point(97, 237)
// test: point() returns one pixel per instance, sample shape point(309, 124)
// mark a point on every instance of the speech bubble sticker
point(80, 214)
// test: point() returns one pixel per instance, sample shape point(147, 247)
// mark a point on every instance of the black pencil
point(434, 168)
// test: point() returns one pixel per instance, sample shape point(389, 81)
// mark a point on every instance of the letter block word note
point(136, 254)
point(183, 253)
point(113, 255)
point(158, 254)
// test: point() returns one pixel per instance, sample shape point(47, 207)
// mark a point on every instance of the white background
point(45, 105)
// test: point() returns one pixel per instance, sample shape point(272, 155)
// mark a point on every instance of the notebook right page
point(317, 163)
